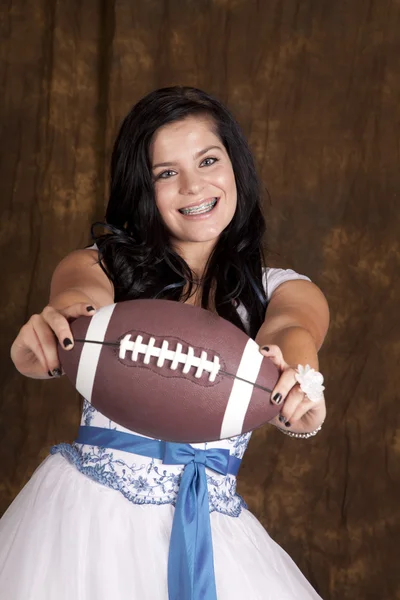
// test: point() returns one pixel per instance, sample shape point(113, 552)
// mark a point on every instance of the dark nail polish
point(277, 398)
point(287, 424)
point(282, 419)
point(67, 342)
point(266, 348)
point(49, 373)
point(89, 308)
point(56, 373)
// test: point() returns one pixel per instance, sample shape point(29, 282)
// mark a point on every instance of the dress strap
point(190, 560)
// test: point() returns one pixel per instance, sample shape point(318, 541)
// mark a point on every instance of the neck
point(196, 255)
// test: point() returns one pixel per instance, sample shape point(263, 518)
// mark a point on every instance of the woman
point(184, 223)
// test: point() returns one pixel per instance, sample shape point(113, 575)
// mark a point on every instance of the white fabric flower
point(310, 382)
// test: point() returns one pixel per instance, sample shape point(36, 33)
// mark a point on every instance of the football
point(170, 371)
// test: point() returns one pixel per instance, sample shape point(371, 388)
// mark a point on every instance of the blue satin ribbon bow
point(190, 562)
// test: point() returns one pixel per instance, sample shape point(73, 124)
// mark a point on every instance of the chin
point(203, 239)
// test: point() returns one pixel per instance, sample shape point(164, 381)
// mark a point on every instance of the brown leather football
point(170, 371)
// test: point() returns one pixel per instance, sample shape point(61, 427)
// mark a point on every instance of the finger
point(274, 353)
point(292, 405)
point(283, 386)
point(299, 413)
point(59, 326)
point(78, 310)
point(71, 313)
point(28, 345)
point(304, 408)
point(58, 321)
point(45, 346)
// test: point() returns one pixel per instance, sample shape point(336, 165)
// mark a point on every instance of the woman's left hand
point(298, 413)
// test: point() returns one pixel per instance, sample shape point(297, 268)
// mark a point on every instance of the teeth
point(202, 208)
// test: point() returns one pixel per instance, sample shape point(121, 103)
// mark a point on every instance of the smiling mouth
point(200, 209)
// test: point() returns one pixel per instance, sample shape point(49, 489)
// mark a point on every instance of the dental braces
point(176, 356)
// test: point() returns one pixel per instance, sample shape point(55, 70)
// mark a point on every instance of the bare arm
point(296, 321)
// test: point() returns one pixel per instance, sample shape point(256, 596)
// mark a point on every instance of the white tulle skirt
point(66, 537)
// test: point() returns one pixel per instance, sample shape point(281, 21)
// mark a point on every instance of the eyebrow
point(197, 155)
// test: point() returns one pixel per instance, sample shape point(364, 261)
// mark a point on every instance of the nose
point(190, 184)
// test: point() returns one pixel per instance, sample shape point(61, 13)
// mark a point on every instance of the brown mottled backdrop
point(316, 87)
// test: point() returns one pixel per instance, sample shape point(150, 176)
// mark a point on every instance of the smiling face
point(194, 183)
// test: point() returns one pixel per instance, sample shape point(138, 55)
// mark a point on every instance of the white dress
point(95, 524)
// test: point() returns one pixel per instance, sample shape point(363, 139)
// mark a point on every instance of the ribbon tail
point(190, 562)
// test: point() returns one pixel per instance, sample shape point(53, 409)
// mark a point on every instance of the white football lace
point(176, 356)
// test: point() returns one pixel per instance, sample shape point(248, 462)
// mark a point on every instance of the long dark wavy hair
point(137, 253)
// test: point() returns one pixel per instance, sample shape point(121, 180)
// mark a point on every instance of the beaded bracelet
point(301, 435)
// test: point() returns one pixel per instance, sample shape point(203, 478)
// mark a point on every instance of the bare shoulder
point(80, 270)
point(83, 258)
point(299, 303)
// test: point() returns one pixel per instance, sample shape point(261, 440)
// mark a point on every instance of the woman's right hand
point(34, 351)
